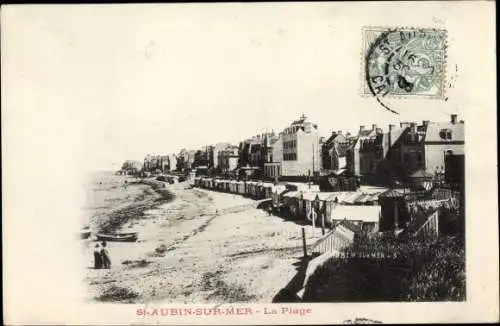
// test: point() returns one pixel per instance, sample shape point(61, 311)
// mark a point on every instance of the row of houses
point(341, 161)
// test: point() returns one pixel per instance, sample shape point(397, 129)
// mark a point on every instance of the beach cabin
point(276, 195)
point(347, 198)
point(234, 187)
point(259, 191)
point(366, 199)
point(268, 189)
point(240, 185)
point(291, 201)
point(227, 185)
point(322, 202)
point(250, 186)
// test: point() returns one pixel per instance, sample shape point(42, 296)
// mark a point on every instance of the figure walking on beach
point(97, 257)
point(106, 261)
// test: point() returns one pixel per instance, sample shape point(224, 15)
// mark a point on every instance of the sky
point(118, 83)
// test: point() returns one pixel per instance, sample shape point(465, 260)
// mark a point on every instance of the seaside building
point(153, 163)
point(131, 167)
point(301, 151)
point(272, 168)
point(254, 153)
point(335, 175)
point(201, 157)
point(333, 153)
point(185, 160)
point(443, 139)
point(228, 160)
point(406, 152)
point(214, 154)
point(172, 162)
point(164, 164)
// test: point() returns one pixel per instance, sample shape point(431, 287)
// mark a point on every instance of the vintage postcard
point(249, 163)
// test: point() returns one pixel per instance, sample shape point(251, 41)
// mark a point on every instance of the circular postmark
point(402, 62)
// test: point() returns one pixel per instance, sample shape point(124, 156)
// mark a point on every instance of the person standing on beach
point(106, 261)
point(97, 257)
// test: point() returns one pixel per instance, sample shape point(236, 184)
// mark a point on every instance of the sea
point(105, 192)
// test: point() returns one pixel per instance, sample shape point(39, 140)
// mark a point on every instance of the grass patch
point(228, 293)
point(136, 263)
point(421, 272)
point(118, 294)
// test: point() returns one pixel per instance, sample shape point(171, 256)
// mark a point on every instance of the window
point(445, 134)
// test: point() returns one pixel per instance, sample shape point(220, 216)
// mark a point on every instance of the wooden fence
point(333, 241)
point(430, 228)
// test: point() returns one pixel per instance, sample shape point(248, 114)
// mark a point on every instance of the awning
point(349, 198)
point(356, 213)
point(309, 196)
point(293, 194)
point(278, 188)
point(393, 193)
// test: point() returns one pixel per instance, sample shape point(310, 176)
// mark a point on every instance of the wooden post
point(304, 242)
point(395, 216)
point(313, 216)
point(323, 223)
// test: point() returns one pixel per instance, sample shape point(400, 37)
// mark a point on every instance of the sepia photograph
point(250, 163)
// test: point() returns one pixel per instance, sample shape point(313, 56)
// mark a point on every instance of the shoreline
point(115, 219)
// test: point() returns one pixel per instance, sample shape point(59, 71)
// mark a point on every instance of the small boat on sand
point(84, 235)
point(120, 237)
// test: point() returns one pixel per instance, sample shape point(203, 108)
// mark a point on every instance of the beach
point(192, 250)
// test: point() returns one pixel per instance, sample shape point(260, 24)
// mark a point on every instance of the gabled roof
point(334, 136)
point(393, 193)
point(396, 133)
point(367, 133)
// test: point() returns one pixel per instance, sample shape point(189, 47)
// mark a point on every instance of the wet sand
point(188, 254)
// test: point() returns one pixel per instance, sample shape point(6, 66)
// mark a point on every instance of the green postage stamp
point(402, 62)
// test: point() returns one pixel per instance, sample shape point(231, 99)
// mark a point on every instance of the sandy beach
point(188, 254)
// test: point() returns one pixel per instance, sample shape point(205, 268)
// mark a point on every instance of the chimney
point(374, 127)
point(361, 128)
point(339, 132)
point(425, 123)
point(391, 127)
point(453, 118)
point(403, 124)
point(413, 126)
